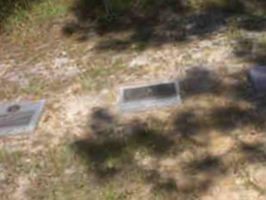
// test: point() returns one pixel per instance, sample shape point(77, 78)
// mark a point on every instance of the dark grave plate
point(19, 117)
point(146, 96)
point(257, 76)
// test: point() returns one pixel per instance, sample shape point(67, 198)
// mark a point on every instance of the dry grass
point(213, 142)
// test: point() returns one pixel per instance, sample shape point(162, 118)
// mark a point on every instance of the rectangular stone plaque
point(257, 76)
point(137, 98)
point(19, 117)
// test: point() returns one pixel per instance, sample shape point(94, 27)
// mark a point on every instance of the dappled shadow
point(120, 147)
point(196, 178)
point(196, 123)
point(200, 81)
point(251, 50)
point(216, 103)
point(118, 142)
point(208, 164)
point(254, 152)
point(8, 8)
point(233, 116)
point(113, 154)
point(187, 123)
point(158, 22)
point(234, 107)
point(167, 29)
point(176, 21)
point(253, 23)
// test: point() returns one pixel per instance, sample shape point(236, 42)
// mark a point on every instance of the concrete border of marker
point(143, 105)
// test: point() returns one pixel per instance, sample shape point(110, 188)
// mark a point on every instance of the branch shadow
point(202, 81)
point(112, 151)
point(254, 152)
point(253, 22)
point(115, 142)
point(251, 50)
point(176, 22)
point(111, 155)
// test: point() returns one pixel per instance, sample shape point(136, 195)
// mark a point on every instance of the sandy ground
point(32, 71)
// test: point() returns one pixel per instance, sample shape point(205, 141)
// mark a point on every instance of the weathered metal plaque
point(138, 98)
point(19, 117)
point(257, 76)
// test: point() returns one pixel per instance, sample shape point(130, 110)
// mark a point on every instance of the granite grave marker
point(19, 117)
point(142, 97)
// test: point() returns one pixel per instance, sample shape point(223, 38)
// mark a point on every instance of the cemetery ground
point(212, 146)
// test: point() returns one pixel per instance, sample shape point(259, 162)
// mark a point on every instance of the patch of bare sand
point(22, 185)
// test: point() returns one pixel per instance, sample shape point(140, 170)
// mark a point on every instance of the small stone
point(240, 181)
point(138, 62)
point(63, 53)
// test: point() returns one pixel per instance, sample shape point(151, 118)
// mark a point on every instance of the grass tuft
point(21, 15)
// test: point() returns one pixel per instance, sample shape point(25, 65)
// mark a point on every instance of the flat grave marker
point(19, 117)
point(142, 97)
point(257, 76)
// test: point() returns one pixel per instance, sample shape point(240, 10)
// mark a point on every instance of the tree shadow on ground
point(118, 141)
point(253, 22)
point(251, 50)
point(114, 153)
point(144, 23)
point(235, 107)
point(167, 30)
point(119, 147)
point(204, 81)
point(150, 23)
